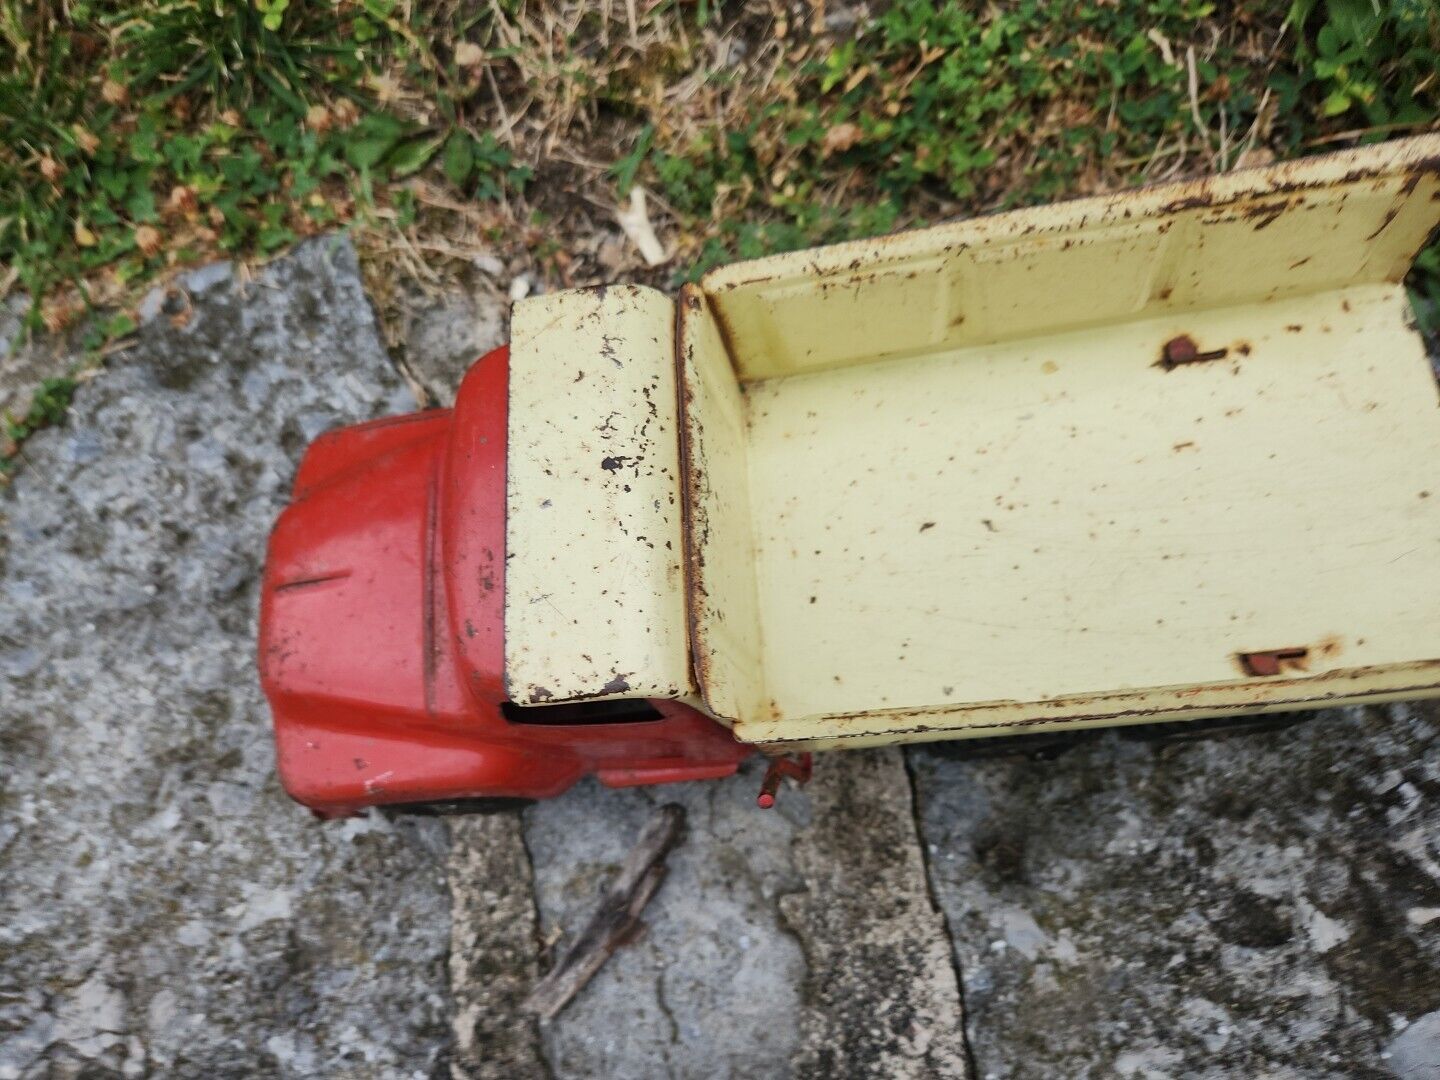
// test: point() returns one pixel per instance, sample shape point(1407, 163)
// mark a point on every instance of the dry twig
point(617, 917)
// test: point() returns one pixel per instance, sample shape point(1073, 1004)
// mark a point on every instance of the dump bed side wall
point(1248, 236)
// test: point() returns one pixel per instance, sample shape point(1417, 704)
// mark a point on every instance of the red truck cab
point(382, 632)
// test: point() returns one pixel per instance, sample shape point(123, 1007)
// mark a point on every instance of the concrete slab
point(494, 951)
point(881, 989)
point(1262, 905)
point(712, 987)
point(164, 908)
point(794, 942)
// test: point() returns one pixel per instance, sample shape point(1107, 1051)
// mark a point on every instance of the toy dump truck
point(1167, 454)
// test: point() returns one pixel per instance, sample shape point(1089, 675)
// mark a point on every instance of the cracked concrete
point(165, 909)
point(881, 989)
point(494, 954)
point(794, 942)
point(1249, 906)
point(712, 986)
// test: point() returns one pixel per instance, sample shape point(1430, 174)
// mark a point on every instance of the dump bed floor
point(1063, 516)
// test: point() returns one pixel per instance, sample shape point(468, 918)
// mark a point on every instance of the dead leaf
point(51, 169)
point(318, 118)
point(83, 236)
point(841, 137)
point(56, 315)
point(147, 239)
point(183, 200)
point(85, 139)
point(468, 54)
point(114, 93)
point(635, 221)
point(346, 112)
point(1256, 155)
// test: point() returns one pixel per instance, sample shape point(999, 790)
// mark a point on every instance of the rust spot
point(540, 693)
point(1265, 213)
point(1385, 222)
point(1190, 202)
point(1273, 661)
point(1182, 446)
point(1164, 294)
point(617, 685)
point(613, 464)
point(1293, 328)
point(1183, 350)
point(927, 525)
point(1243, 348)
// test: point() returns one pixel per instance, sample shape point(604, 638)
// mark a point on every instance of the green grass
point(139, 135)
point(47, 407)
point(938, 109)
point(148, 134)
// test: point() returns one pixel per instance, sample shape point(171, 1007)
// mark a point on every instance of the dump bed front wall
point(594, 585)
point(1251, 235)
point(723, 613)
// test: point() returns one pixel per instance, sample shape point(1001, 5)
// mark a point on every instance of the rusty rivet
point(1183, 350)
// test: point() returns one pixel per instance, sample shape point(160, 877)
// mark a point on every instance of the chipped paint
point(594, 602)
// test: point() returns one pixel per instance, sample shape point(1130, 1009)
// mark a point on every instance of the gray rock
point(26, 361)
point(882, 998)
point(1414, 1054)
point(444, 335)
point(1247, 906)
point(165, 910)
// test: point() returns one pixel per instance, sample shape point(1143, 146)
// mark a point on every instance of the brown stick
point(617, 917)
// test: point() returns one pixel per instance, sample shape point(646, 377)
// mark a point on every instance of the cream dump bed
point(941, 485)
